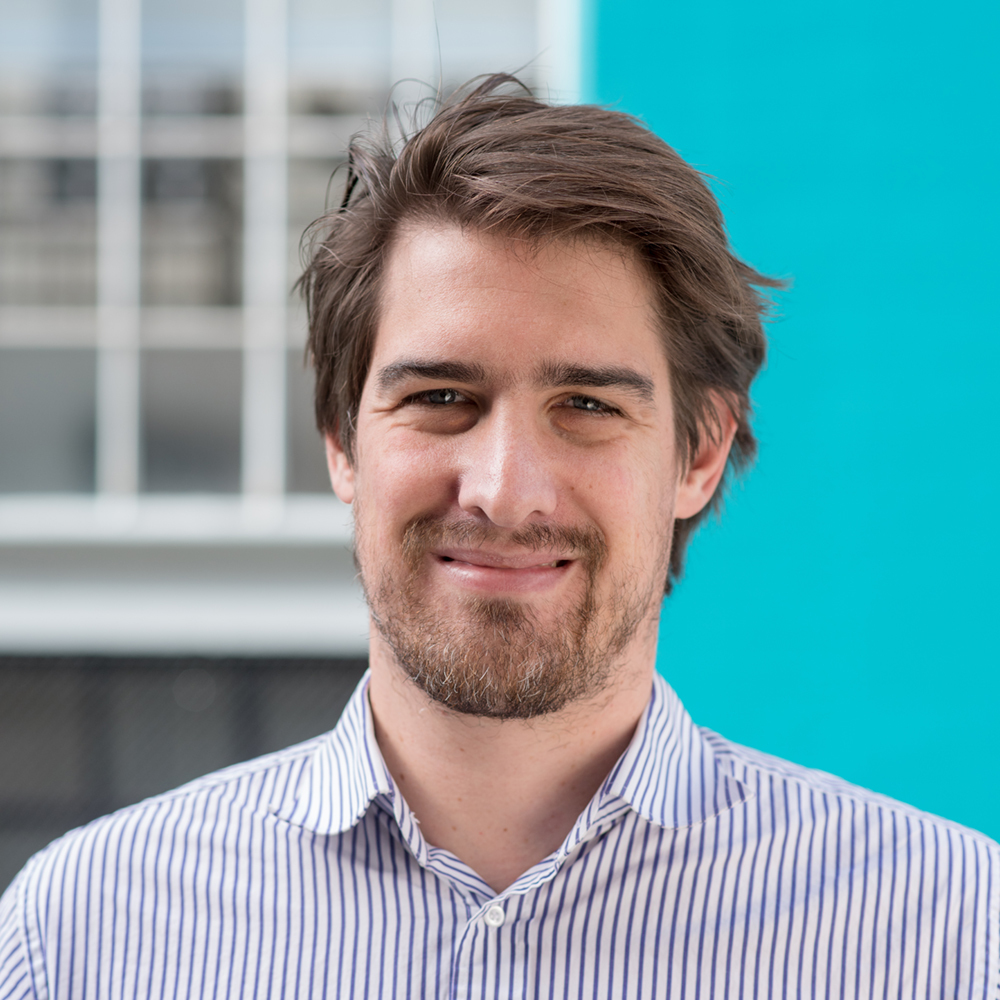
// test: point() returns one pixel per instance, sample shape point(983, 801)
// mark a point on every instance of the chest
point(723, 909)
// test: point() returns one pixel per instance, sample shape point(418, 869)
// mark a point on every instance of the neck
point(501, 795)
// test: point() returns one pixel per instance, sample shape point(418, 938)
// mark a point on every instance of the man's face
point(515, 477)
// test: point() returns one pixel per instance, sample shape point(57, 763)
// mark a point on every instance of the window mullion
point(265, 235)
point(118, 247)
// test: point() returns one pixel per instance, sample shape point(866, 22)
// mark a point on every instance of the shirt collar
point(669, 773)
point(345, 774)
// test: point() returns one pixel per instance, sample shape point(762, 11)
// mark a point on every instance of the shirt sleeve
point(15, 978)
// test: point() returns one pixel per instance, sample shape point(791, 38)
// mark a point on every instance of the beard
point(493, 657)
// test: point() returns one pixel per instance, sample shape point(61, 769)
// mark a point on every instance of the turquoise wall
point(843, 613)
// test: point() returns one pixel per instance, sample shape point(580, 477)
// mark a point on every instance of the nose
point(508, 473)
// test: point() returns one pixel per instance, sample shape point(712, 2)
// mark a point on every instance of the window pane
point(481, 36)
point(48, 52)
point(48, 232)
point(46, 420)
point(192, 56)
point(338, 55)
point(306, 455)
point(191, 421)
point(308, 184)
point(191, 232)
point(312, 186)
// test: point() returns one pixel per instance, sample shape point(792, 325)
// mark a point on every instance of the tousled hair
point(495, 158)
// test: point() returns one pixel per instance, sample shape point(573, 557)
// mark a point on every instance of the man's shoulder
point(765, 774)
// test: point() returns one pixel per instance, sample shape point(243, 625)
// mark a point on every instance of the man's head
point(532, 346)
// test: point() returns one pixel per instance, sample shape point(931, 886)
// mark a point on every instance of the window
point(159, 161)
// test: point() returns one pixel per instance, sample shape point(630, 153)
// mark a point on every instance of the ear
point(339, 465)
point(702, 476)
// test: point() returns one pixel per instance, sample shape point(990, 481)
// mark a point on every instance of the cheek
point(633, 486)
point(399, 479)
point(632, 501)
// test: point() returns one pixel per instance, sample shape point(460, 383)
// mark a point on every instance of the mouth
point(507, 573)
point(486, 563)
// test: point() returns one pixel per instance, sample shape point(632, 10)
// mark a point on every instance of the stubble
point(493, 657)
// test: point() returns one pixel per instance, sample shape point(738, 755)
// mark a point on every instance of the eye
point(591, 405)
point(439, 411)
point(438, 397)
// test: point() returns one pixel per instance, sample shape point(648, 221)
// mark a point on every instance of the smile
point(489, 565)
point(494, 573)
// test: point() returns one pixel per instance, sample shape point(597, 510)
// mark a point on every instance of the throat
point(500, 794)
point(498, 831)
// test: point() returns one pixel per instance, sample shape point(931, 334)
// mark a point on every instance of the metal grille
point(82, 736)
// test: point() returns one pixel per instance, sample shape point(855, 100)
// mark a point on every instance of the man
point(534, 351)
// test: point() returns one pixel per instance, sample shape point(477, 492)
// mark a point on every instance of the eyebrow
point(449, 371)
point(551, 375)
point(609, 377)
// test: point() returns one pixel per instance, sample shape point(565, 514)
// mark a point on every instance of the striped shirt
point(699, 869)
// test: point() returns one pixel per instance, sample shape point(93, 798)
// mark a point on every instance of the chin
point(495, 657)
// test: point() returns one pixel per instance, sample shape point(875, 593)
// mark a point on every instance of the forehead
point(456, 293)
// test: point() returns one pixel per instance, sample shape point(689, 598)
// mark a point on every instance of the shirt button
point(494, 916)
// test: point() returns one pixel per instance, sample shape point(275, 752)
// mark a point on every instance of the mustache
point(429, 531)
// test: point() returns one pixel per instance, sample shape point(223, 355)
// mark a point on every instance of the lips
point(502, 573)
point(462, 556)
point(502, 561)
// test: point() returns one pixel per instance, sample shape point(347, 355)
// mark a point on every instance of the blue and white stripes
point(700, 869)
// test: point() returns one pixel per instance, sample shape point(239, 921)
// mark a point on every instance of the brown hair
point(509, 163)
